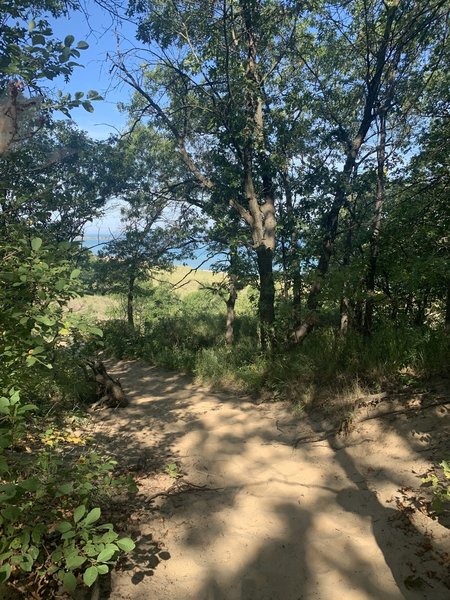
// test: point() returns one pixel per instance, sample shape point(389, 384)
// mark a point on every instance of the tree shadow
point(289, 543)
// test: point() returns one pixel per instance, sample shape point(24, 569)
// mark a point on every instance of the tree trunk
point(345, 299)
point(261, 211)
point(345, 314)
point(266, 304)
point(231, 302)
point(293, 259)
point(130, 300)
point(296, 290)
point(421, 310)
point(447, 307)
point(374, 240)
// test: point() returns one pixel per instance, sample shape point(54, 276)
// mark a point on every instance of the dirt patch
point(229, 509)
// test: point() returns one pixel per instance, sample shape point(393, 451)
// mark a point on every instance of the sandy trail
point(278, 523)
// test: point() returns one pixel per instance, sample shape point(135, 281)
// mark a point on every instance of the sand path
point(273, 522)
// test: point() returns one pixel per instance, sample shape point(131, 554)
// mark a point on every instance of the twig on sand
point(182, 488)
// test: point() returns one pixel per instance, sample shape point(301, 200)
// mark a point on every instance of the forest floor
point(240, 500)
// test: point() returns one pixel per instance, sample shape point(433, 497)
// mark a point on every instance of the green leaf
point(82, 45)
point(69, 40)
point(64, 526)
point(69, 582)
point(5, 442)
point(26, 408)
point(5, 572)
point(75, 273)
point(30, 485)
point(126, 544)
point(57, 555)
point(90, 550)
point(45, 320)
point(38, 532)
point(108, 537)
point(36, 243)
point(90, 575)
point(102, 569)
point(60, 285)
point(92, 516)
point(79, 513)
point(4, 405)
point(65, 489)
point(37, 350)
point(11, 513)
point(26, 563)
point(107, 553)
point(8, 491)
point(31, 26)
point(38, 40)
point(87, 106)
point(75, 560)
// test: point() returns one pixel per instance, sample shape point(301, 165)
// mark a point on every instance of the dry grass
point(97, 308)
point(329, 402)
point(185, 280)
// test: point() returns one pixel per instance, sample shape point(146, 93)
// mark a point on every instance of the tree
point(217, 68)
point(157, 226)
point(54, 183)
point(374, 65)
point(29, 56)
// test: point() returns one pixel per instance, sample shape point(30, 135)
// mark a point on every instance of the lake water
point(200, 260)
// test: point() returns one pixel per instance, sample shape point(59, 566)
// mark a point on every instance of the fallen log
point(109, 391)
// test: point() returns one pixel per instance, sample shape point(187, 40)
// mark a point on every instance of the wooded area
point(305, 146)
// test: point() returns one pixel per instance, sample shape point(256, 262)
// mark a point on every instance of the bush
point(50, 528)
point(49, 524)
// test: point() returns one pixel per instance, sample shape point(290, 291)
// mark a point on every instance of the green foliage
point(188, 334)
point(47, 531)
point(36, 281)
point(29, 53)
point(49, 521)
point(36, 204)
point(440, 486)
point(172, 470)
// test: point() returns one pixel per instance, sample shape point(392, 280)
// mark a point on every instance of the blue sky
point(99, 30)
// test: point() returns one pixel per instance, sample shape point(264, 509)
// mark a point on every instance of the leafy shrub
point(47, 530)
point(50, 529)
point(440, 485)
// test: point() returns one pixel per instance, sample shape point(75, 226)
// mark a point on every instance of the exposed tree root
point(349, 423)
point(182, 488)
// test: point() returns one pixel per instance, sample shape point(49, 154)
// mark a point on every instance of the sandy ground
point(318, 522)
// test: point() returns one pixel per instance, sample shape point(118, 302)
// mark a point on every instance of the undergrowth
point(188, 335)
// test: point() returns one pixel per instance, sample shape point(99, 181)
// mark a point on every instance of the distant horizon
point(99, 235)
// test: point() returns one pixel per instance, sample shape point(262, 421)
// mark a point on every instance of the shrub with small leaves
point(439, 481)
point(45, 533)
